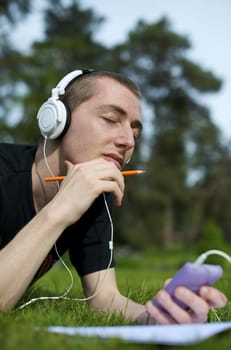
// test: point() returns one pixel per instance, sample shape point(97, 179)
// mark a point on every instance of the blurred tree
point(68, 44)
point(211, 161)
point(187, 164)
point(185, 139)
point(212, 237)
point(13, 10)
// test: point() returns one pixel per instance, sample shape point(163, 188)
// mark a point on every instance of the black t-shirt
point(87, 240)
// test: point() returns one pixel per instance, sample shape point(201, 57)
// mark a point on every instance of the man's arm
point(21, 257)
point(102, 293)
point(40, 234)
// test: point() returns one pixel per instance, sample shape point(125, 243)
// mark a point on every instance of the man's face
point(105, 126)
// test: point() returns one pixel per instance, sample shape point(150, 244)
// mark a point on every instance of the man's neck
point(46, 162)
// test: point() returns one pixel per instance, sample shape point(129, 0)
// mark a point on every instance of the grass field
point(139, 277)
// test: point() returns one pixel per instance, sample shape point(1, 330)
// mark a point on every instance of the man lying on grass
point(89, 127)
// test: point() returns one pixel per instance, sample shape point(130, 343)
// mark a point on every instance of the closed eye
point(114, 114)
point(110, 120)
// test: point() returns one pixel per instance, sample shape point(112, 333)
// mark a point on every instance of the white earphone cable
point(64, 295)
point(201, 258)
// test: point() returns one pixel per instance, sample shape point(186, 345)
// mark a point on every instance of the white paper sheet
point(168, 335)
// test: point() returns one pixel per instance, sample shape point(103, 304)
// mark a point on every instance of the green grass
point(139, 277)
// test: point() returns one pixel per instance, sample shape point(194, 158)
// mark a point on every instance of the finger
point(98, 176)
point(68, 164)
point(167, 282)
point(70, 167)
point(175, 312)
point(160, 317)
point(198, 307)
point(111, 187)
point(103, 170)
point(108, 171)
point(99, 169)
point(213, 296)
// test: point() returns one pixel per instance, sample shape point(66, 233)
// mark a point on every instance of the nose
point(126, 139)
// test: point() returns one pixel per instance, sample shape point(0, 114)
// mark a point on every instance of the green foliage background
point(161, 208)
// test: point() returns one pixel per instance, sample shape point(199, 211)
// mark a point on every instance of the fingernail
point(162, 296)
point(205, 290)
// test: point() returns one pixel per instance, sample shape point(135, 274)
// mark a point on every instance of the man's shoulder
point(12, 155)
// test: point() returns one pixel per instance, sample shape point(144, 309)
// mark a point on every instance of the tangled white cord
point(64, 295)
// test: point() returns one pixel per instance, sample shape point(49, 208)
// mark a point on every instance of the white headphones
point(53, 116)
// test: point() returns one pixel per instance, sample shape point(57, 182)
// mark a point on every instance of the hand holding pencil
point(124, 173)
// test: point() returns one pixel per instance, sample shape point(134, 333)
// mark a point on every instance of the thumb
point(69, 165)
point(167, 282)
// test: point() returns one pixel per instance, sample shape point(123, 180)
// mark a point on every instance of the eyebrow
point(121, 112)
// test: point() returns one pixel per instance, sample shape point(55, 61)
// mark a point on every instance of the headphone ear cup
point(53, 119)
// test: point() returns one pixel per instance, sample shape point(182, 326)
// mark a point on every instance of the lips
point(116, 159)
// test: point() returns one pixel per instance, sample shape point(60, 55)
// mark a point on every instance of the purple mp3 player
point(192, 276)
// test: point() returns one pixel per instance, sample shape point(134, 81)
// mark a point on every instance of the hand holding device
point(195, 275)
point(192, 276)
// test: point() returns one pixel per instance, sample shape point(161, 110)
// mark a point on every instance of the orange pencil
point(124, 173)
point(132, 172)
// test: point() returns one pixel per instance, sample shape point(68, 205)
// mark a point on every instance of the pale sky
point(207, 23)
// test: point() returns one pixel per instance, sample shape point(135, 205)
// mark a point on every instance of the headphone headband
point(59, 90)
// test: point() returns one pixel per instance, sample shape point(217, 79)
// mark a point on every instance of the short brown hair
point(82, 88)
